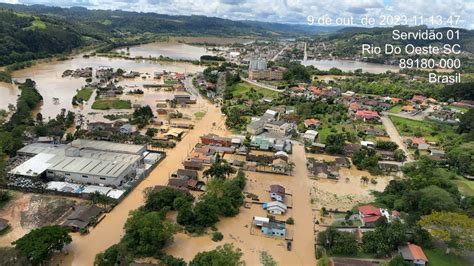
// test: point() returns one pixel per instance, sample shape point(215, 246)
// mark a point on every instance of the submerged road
point(109, 231)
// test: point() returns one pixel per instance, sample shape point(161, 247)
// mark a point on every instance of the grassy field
point(465, 186)
point(199, 115)
point(396, 109)
point(84, 94)
point(437, 257)
point(37, 24)
point(105, 104)
point(430, 130)
point(242, 88)
point(462, 109)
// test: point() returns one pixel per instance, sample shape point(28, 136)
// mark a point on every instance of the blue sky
point(286, 11)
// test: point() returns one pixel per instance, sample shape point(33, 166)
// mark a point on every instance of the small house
point(82, 217)
point(413, 253)
point(259, 221)
point(275, 207)
point(192, 165)
point(343, 162)
point(274, 228)
point(277, 193)
point(369, 214)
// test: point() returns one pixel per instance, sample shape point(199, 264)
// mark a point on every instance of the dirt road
point(395, 136)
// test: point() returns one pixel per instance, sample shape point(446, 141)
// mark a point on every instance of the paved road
point(395, 136)
point(262, 85)
point(279, 53)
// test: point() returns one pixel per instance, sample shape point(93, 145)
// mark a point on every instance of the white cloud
point(293, 11)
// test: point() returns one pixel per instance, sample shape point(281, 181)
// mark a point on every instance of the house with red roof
point(315, 90)
point(312, 123)
point(419, 143)
point(367, 116)
point(418, 98)
point(369, 214)
point(413, 253)
point(354, 107)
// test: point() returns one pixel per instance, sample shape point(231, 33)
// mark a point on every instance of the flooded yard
point(51, 84)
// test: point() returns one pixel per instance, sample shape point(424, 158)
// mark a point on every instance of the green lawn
point(242, 88)
point(462, 109)
point(199, 115)
point(465, 186)
point(105, 104)
point(437, 257)
point(396, 109)
point(430, 130)
point(84, 94)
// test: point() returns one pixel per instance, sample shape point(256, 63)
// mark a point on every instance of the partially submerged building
point(82, 161)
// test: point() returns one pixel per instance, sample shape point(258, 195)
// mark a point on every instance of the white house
point(275, 207)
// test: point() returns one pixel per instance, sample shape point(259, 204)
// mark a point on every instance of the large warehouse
point(82, 161)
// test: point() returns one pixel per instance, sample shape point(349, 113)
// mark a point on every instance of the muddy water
point(237, 230)
point(51, 85)
point(168, 49)
point(350, 65)
point(83, 249)
point(8, 94)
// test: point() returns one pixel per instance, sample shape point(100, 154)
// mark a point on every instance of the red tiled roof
point(311, 121)
point(418, 98)
point(369, 114)
point(369, 210)
point(371, 219)
point(418, 141)
point(417, 252)
point(355, 106)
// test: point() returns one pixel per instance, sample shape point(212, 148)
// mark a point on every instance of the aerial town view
point(235, 132)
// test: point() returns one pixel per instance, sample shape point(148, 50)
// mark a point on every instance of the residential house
point(259, 221)
point(389, 166)
point(278, 127)
point(277, 192)
point(367, 116)
point(126, 129)
point(279, 166)
point(318, 147)
point(419, 143)
point(192, 165)
point(262, 143)
point(82, 217)
point(310, 135)
point(312, 123)
point(323, 170)
point(274, 228)
point(350, 148)
point(216, 140)
point(260, 159)
point(413, 253)
point(369, 215)
point(275, 207)
point(343, 162)
point(386, 155)
point(186, 173)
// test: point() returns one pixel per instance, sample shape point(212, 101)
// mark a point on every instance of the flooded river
point(51, 84)
point(8, 94)
point(350, 65)
point(169, 49)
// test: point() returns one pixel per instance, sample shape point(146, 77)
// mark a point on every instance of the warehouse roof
point(108, 146)
point(34, 166)
point(87, 166)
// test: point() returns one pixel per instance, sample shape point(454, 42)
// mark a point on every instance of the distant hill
point(38, 31)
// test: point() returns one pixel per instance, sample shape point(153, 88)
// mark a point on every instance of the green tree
point(434, 198)
point(225, 255)
point(455, 229)
point(114, 255)
point(39, 244)
point(147, 232)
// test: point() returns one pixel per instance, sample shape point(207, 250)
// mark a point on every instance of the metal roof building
point(83, 162)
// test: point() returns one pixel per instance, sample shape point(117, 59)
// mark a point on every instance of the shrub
point(217, 236)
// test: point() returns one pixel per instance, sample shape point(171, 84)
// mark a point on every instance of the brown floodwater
point(51, 84)
point(8, 95)
point(169, 49)
point(83, 249)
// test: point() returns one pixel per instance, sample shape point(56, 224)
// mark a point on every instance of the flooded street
point(83, 249)
point(237, 230)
